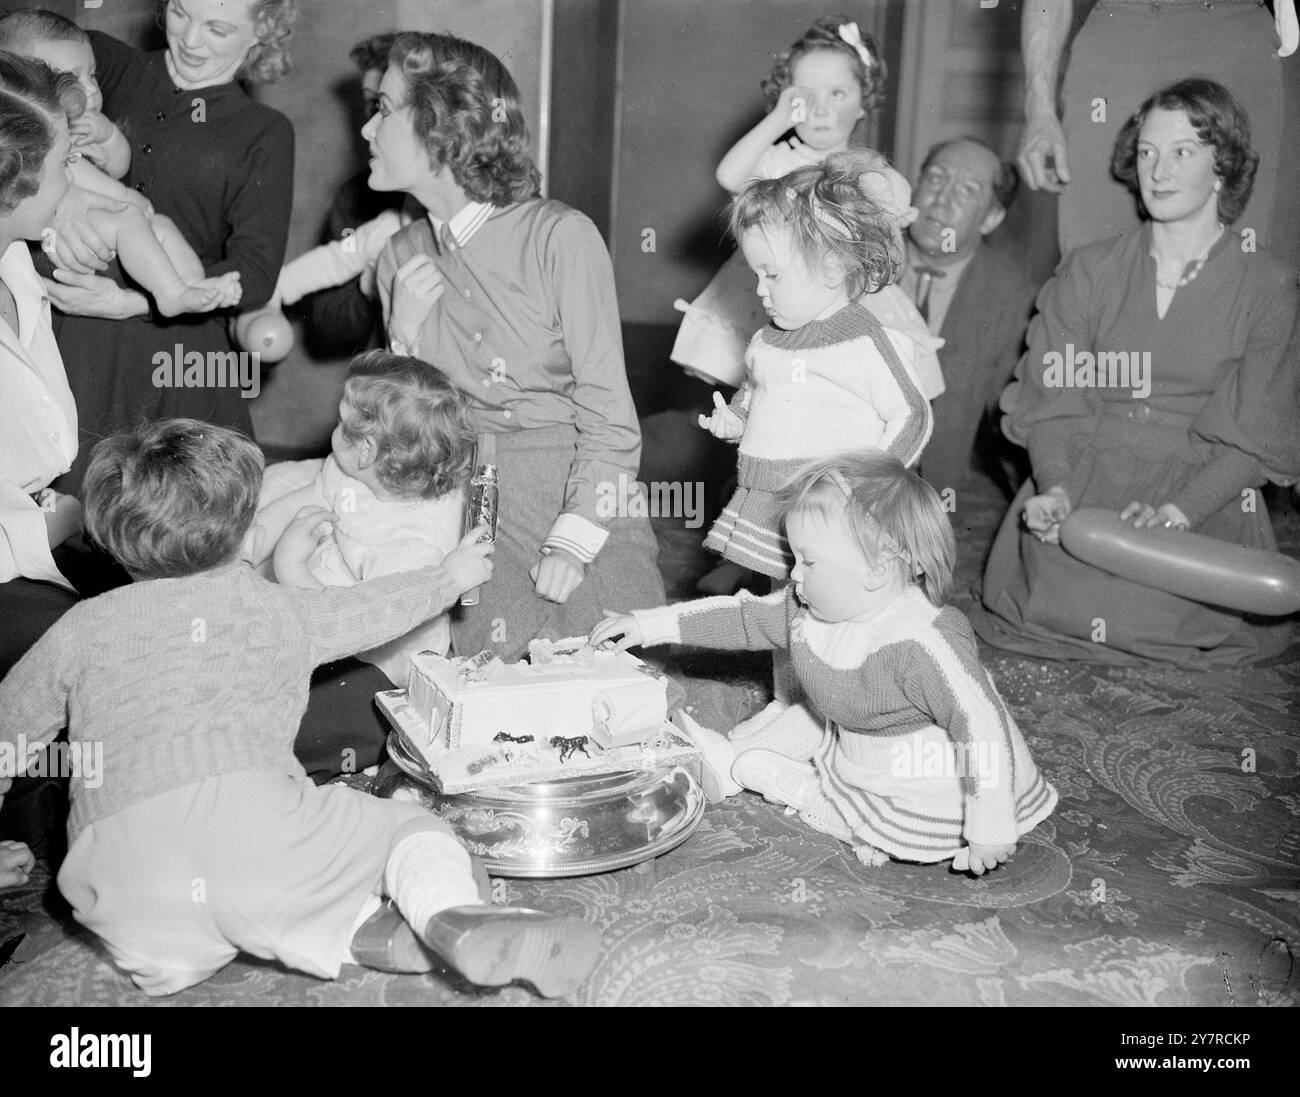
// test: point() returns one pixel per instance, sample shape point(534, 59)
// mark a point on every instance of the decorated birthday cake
point(569, 706)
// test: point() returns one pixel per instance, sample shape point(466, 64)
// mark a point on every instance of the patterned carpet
point(1168, 875)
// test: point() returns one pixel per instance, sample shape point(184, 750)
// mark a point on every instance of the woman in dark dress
point(217, 163)
point(1190, 408)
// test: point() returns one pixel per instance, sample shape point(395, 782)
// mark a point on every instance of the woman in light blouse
point(38, 419)
point(512, 295)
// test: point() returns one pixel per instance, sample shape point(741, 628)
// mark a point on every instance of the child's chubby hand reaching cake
point(618, 629)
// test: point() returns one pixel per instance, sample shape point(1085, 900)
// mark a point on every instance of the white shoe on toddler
point(780, 780)
point(715, 766)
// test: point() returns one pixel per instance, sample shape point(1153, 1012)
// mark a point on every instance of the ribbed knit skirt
point(748, 531)
point(903, 794)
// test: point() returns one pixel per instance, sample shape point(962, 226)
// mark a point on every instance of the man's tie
point(925, 277)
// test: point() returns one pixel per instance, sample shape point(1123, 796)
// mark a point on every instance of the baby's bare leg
point(190, 266)
point(148, 263)
point(184, 258)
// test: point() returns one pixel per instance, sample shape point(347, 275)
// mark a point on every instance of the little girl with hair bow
point(824, 88)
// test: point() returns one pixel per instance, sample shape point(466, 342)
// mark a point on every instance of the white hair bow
point(850, 34)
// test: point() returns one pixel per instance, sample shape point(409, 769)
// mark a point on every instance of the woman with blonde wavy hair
point(215, 161)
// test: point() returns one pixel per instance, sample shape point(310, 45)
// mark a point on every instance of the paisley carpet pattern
point(1167, 876)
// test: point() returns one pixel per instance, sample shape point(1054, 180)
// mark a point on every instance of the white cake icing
point(566, 691)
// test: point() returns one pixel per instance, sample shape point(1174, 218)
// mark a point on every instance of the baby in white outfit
point(393, 484)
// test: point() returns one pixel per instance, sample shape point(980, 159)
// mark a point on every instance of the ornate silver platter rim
point(559, 801)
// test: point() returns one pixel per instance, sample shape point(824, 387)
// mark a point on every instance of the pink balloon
point(1190, 565)
point(266, 331)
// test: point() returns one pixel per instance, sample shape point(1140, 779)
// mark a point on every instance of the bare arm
point(117, 154)
point(1044, 27)
point(737, 167)
point(310, 526)
point(89, 178)
point(276, 517)
point(100, 141)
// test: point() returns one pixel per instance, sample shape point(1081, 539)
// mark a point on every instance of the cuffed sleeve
point(573, 534)
point(658, 626)
point(24, 543)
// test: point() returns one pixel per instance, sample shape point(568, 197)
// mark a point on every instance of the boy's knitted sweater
point(911, 668)
point(182, 679)
point(842, 383)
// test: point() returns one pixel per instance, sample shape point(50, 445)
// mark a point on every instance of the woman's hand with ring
point(1145, 516)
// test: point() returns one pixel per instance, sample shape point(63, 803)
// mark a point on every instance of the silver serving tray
point(570, 827)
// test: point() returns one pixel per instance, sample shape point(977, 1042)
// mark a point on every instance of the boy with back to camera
point(205, 837)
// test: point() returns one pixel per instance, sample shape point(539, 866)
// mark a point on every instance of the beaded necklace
point(1193, 268)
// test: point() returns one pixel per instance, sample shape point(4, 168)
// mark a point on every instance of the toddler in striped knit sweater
point(202, 836)
point(825, 375)
point(913, 754)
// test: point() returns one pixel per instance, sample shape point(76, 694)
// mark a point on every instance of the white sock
point(429, 871)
